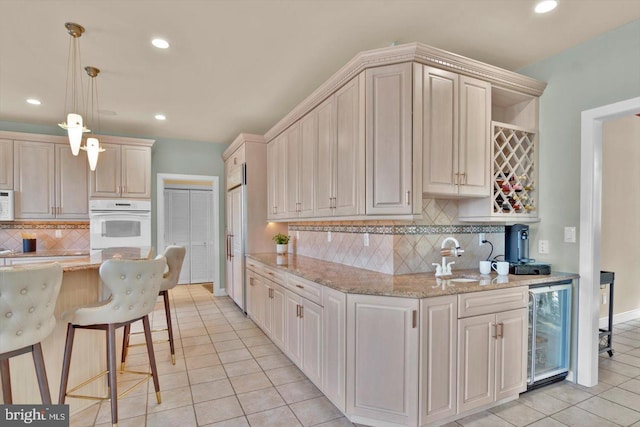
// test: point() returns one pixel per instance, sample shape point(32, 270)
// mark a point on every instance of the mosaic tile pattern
point(72, 238)
point(398, 247)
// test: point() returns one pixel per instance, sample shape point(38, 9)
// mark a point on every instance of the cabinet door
point(278, 316)
point(276, 170)
point(349, 149)
point(475, 123)
point(440, 132)
point(307, 166)
point(136, 172)
point(311, 316)
point(106, 180)
point(252, 295)
point(476, 361)
point(438, 347)
point(292, 328)
point(72, 183)
point(6, 164)
point(34, 180)
point(511, 353)
point(382, 358)
point(324, 176)
point(292, 147)
point(389, 139)
point(272, 166)
point(334, 358)
point(268, 309)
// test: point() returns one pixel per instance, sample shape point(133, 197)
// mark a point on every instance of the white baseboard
point(220, 293)
point(620, 317)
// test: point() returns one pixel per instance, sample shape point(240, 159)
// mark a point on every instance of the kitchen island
point(81, 285)
point(406, 350)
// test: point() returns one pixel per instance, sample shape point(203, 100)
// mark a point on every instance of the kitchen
point(194, 158)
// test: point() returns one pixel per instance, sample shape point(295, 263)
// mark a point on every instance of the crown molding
point(411, 52)
point(42, 137)
point(240, 140)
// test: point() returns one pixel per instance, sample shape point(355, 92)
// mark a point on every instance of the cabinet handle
point(300, 286)
point(455, 180)
point(301, 311)
point(501, 332)
point(414, 321)
point(465, 176)
point(408, 198)
point(494, 329)
point(297, 310)
point(274, 210)
point(51, 210)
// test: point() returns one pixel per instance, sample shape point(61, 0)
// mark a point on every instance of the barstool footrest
point(147, 377)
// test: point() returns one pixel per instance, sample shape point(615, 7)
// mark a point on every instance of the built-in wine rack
point(514, 157)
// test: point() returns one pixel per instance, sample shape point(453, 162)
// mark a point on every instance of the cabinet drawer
point(279, 277)
point(305, 288)
point(477, 303)
point(255, 266)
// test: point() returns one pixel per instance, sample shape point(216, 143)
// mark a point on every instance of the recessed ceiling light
point(545, 6)
point(160, 43)
point(161, 117)
point(34, 101)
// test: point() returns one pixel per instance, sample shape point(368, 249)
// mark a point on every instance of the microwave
point(6, 205)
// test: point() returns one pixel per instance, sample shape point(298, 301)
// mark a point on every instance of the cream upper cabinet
point(382, 359)
point(333, 346)
point(438, 363)
point(301, 140)
point(456, 134)
point(122, 171)
point(340, 159)
point(389, 157)
point(6, 164)
point(50, 181)
point(276, 177)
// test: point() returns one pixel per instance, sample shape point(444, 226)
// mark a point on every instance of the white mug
point(502, 267)
point(485, 267)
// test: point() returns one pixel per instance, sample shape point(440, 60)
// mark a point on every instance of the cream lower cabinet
point(438, 361)
point(492, 347)
point(382, 359)
point(266, 305)
point(334, 327)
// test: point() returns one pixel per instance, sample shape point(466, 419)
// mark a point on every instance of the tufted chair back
point(28, 297)
point(175, 258)
point(134, 286)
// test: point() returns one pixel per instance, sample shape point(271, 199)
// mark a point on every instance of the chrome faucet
point(444, 269)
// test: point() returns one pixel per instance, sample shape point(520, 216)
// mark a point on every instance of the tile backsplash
point(73, 235)
point(398, 247)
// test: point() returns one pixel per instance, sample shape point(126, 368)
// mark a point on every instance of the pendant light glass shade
point(73, 92)
point(93, 149)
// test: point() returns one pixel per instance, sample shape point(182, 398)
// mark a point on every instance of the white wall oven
point(119, 223)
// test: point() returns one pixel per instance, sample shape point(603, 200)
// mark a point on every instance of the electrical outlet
point(58, 234)
point(569, 234)
point(329, 236)
point(366, 239)
point(481, 238)
point(604, 298)
point(297, 235)
point(543, 246)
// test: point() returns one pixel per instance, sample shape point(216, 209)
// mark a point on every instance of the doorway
point(188, 215)
point(590, 233)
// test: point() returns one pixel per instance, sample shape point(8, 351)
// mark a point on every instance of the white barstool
point(175, 258)
point(134, 287)
point(28, 297)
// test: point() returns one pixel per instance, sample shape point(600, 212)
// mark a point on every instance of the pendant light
point(92, 147)
point(73, 92)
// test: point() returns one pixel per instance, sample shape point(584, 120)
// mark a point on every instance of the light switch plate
point(543, 246)
point(569, 234)
point(58, 234)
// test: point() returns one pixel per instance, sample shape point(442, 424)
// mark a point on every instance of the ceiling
point(241, 65)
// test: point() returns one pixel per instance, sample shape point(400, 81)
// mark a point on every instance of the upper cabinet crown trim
point(21, 136)
point(411, 52)
point(241, 139)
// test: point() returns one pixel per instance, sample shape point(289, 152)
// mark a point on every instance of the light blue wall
point(599, 72)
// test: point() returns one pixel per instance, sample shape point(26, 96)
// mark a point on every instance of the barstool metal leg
point(41, 374)
point(113, 389)
point(152, 357)
point(66, 362)
point(6, 382)
point(125, 345)
point(167, 312)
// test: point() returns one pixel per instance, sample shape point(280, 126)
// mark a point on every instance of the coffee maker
point(516, 249)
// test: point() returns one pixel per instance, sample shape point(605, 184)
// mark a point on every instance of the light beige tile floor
point(228, 373)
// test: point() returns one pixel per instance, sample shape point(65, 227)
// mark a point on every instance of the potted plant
point(282, 241)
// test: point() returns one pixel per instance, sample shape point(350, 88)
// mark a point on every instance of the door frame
point(590, 228)
point(214, 181)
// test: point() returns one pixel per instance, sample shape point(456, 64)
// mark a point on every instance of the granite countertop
point(46, 253)
point(420, 285)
